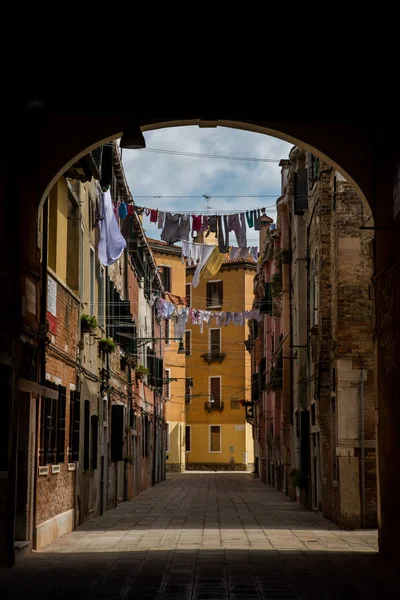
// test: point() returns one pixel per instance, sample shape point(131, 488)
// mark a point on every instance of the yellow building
point(172, 270)
point(218, 367)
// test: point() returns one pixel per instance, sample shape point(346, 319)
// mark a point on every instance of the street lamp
point(132, 138)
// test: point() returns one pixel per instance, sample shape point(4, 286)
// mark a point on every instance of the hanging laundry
point(212, 225)
point(205, 253)
point(250, 218)
point(153, 216)
point(131, 209)
point(257, 220)
point(184, 227)
point(237, 224)
point(161, 216)
point(147, 211)
point(196, 225)
point(254, 252)
point(123, 210)
point(233, 223)
point(213, 264)
point(170, 233)
point(191, 251)
point(223, 234)
point(204, 223)
point(139, 210)
point(112, 243)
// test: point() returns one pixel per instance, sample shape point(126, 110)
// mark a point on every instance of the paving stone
point(206, 536)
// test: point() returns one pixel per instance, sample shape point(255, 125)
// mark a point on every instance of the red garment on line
point(153, 216)
point(196, 223)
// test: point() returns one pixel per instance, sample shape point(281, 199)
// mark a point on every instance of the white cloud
point(153, 174)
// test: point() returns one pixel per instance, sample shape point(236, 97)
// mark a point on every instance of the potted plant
point(88, 323)
point(107, 345)
point(141, 371)
point(299, 479)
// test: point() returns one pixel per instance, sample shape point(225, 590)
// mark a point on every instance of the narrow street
point(204, 537)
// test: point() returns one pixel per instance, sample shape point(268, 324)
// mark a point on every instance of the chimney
point(285, 164)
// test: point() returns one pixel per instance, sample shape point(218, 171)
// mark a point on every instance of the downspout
point(362, 444)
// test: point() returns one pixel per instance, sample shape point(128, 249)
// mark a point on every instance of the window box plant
point(141, 371)
point(107, 345)
point(88, 324)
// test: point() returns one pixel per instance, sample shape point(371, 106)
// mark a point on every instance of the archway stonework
point(366, 156)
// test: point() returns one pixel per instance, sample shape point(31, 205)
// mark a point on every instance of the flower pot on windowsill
point(88, 324)
point(141, 372)
point(107, 346)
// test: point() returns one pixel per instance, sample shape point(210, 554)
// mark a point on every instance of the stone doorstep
point(22, 549)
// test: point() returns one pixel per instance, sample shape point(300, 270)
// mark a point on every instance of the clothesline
point(181, 315)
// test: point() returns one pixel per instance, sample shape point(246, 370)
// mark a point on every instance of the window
point(188, 385)
point(215, 438)
point(188, 294)
point(314, 289)
point(215, 389)
point(52, 427)
point(94, 421)
point(188, 343)
point(74, 425)
point(82, 262)
point(86, 435)
point(214, 294)
point(117, 431)
point(167, 438)
point(188, 438)
point(91, 300)
point(235, 404)
point(215, 342)
point(167, 383)
point(167, 341)
point(62, 400)
point(166, 278)
point(100, 301)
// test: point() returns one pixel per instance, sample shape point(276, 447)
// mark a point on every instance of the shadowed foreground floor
point(203, 537)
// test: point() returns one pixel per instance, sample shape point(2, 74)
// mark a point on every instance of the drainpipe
point(363, 379)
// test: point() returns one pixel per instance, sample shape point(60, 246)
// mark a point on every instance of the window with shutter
point(74, 425)
point(166, 278)
point(167, 383)
point(214, 294)
point(49, 428)
point(188, 294)
point(95, 439)
point(117, 432)
point(62, 400)
point(300, 191)
point(215, 342)
point(188, 438)
point(86, 435)
point(215, 438)
point(188, 395)
point(188, 343)
point(215, 389)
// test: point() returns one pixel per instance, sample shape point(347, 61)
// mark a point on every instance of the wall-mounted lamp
point(132, 138)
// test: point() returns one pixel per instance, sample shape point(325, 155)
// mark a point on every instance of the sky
point(157, 174)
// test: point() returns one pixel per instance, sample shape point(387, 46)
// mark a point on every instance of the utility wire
point(205, 155)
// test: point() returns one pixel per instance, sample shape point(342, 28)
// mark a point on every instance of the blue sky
point(154, 174)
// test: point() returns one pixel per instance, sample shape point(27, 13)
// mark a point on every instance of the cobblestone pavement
point(203, 537)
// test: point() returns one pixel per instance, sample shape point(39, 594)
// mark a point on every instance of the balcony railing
point(213, 406)
point(213, 357)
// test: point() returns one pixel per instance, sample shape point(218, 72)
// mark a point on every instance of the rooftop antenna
point(207, 202)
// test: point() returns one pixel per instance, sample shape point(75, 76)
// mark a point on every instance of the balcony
point(213, 357)
point(210, 406)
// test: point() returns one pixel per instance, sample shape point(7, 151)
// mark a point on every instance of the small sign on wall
point(239, 427)
point(52, 304)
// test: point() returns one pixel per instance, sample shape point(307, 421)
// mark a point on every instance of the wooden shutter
point(95, 439)
point(117, 431)
point(188, 295)
point(215, 341)
point(75, 426)
point(310, 169)
point(86, 436)
point(215, 438)
point(188, 338)
point(208, 293)
point(187, 390)
point(215, 389)
point(300, 192)
point(62, 399)
point(220, 292)
point(188, 440)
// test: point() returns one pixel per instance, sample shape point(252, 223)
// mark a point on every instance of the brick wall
point(55, 492)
